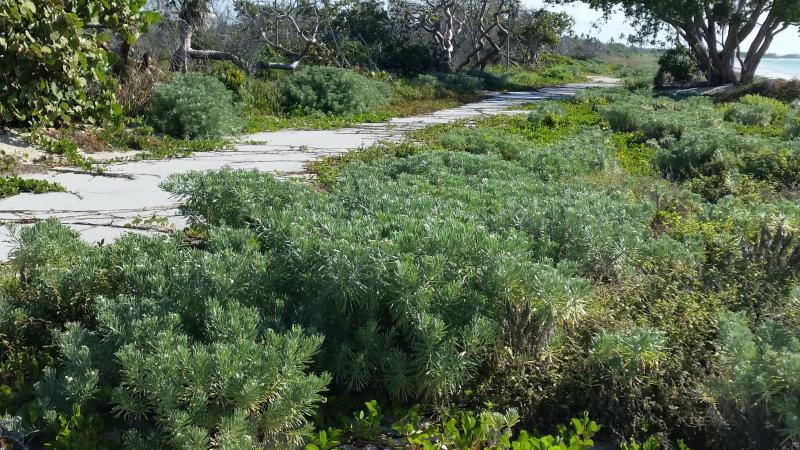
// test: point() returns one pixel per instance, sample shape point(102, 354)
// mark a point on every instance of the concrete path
point(127, 197)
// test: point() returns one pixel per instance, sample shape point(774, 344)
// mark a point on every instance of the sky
point(586, 19)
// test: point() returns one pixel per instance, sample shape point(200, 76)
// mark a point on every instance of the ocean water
point(787, 68)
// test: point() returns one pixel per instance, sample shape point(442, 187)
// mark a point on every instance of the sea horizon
point(786, 68)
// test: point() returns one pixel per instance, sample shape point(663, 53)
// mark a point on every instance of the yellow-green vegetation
point(627, 255)
point(10, 186)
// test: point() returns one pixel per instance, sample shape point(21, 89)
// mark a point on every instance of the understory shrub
point(263, 96)
point(231, 75)
point(194, 106)
point(331, 90)
point(675, 66)
point(547, 114)
point(509, 146)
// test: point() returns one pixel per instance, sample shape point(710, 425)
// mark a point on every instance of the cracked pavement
point(102, 207)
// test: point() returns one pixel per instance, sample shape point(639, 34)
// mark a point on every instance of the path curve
point(102, 207)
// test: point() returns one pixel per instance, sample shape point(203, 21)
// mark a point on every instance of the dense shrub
point(756, 110)
point(419, 88)
point(193, 106)
point(784, 90)
point(675, 66)
point(230, 74)
point(263, 96)
point(538, 264)
point(180, 370)
point(60, 76)
point(331, 90)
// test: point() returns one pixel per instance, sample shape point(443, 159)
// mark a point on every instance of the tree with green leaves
point(717, 32)
point(537, 29)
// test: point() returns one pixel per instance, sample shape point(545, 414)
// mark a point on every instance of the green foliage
point(482, 141)
point(366, 425)
point(756, 110)
point(491, 430)
point(547, 265)
point(461, 81)
point(76, 432)
point(231, 75)
point(194, 106)
point(758, 375)
point(547, 114)
point(262, 96)
point(325, 439)
point(10, 186)
point(630, 354)
point(793, 123)
point(52, 69)
point(187, 371)
point(330, 90)
point(675, 66)
point(61, 147)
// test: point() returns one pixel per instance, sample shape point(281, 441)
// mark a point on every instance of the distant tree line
point(407, 36)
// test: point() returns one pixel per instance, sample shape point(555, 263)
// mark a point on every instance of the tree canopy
point(719, 33)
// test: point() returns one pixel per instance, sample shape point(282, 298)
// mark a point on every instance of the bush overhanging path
point(102, 208)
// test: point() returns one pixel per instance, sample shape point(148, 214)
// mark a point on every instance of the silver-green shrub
point(194, 106)
point(331, 90)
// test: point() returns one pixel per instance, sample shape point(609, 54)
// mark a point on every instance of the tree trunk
point(180, 59)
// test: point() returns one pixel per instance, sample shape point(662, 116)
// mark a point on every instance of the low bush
point(330, 90)
point(194, 106)
point(547, 114)
point(756, 110)
point(783, 90)
point(508, 146)
point(492, 81)
point(638, 84)
point(461, 81)
point(10, 186)
point(419, 88)
point(135, 93)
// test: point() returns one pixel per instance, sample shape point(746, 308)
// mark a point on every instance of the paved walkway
point(102, 207)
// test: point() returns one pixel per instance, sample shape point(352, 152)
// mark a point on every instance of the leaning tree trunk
point(180, 58)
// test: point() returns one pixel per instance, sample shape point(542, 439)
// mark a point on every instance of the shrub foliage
point(330, 90)
point(194, 106)
point(624, 254)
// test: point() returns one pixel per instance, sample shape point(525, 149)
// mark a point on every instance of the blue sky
point(586, 19)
